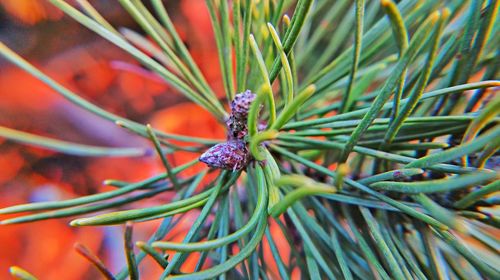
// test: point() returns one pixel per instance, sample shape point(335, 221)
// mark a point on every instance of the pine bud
point(241, 104)
point(231, 155)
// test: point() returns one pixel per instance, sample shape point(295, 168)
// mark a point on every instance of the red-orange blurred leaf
point(31, 11)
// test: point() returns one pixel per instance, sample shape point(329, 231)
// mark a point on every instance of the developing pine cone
point(241, 104)
point(233, 154)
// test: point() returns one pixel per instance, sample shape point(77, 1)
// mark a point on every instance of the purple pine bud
point(231, 155)
point(241, 104)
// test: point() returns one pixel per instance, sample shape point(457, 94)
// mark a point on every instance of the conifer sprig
point(375, 154)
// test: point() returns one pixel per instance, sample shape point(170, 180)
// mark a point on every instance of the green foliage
point(414, 174)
